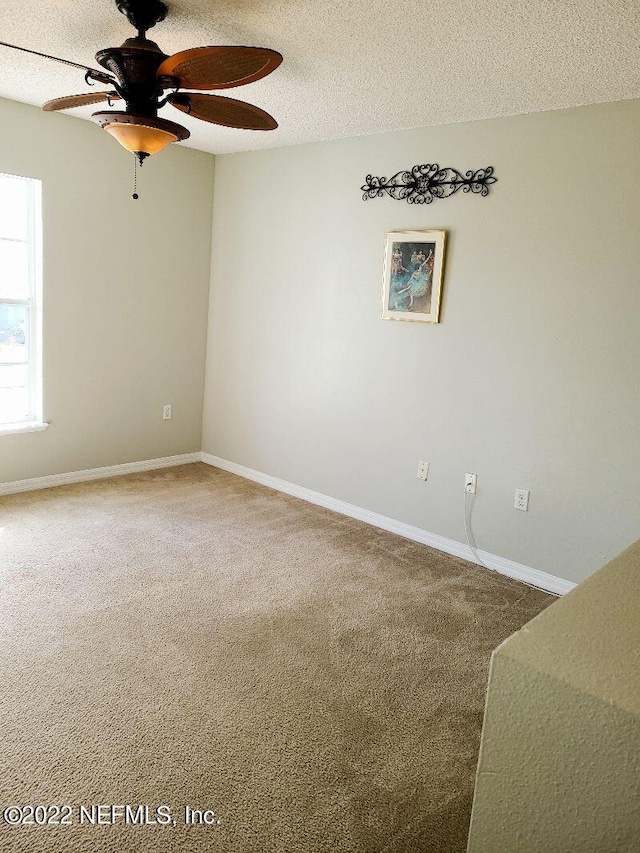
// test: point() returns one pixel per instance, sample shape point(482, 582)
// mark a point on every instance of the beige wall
point(530, 380)
point(560, 750)
point(125, 295)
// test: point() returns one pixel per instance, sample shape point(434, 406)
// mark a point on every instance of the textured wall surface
point(529, 380)
point(125, 295)
point(559, 763)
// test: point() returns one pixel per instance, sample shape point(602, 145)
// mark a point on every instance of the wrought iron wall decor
point(425, 183)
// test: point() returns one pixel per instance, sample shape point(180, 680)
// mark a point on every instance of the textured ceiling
point(353, 68)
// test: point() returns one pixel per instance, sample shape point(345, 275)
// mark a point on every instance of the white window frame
point(33, 421)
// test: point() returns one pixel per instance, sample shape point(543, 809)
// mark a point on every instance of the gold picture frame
point(412, 276)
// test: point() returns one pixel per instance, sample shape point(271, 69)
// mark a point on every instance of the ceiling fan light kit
point(141, 135)
point(146, 79)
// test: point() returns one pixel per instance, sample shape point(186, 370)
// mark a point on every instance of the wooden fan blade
point(93, 73)
point(79, 100)
point(225, 111)
point(220, 67)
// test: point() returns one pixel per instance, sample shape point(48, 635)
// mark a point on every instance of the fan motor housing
point(135, 64)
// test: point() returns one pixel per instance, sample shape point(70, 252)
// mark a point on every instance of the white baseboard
point(35, 483)
point(545, 581)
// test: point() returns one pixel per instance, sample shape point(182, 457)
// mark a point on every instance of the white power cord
point(472, 544)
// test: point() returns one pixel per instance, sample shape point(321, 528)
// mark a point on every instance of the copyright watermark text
point(107, 815)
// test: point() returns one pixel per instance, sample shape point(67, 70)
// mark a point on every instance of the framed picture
point(412, 279)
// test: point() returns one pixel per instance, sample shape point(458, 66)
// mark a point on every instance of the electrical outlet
point(522, 500)
point(471, 483)
point(166, 412)
point(423, 470)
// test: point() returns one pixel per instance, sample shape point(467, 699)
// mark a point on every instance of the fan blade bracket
point(99, 77)
point(168, 81)
point(180, 100)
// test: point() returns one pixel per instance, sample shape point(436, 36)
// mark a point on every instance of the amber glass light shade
point(140, 139)
point(141, 134)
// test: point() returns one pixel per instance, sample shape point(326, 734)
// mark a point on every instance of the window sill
point(12, 429)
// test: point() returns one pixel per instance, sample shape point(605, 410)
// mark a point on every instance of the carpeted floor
point(185, 637)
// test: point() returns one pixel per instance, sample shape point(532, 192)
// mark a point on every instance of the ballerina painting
point(413, 275)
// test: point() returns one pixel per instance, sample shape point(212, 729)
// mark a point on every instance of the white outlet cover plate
point(521, 501)
point(166, 412)
point(471, 483)
point(423, 470)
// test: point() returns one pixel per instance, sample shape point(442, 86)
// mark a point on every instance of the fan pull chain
point(135, 195)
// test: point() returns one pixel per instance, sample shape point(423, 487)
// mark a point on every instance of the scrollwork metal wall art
point(425, 183)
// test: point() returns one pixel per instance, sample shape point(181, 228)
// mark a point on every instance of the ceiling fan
point(146, 79)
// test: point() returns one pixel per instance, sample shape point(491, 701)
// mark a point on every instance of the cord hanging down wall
point(425, 183)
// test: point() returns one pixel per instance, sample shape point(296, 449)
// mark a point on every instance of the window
point(20, 304)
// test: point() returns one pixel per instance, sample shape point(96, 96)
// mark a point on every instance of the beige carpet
point(184, 637)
